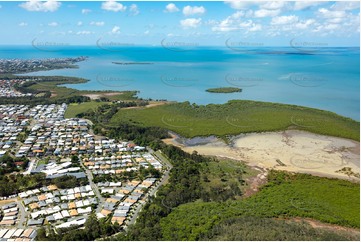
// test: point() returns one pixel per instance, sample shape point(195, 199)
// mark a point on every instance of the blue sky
point(265, 23)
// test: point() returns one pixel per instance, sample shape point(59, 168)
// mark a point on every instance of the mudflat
point(291, 150)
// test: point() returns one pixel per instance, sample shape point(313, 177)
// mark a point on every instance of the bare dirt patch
point(332, 227)
point(94, 96)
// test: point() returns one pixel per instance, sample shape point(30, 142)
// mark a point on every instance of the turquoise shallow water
point(327, 78)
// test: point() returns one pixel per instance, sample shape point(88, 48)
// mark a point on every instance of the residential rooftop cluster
point(57, 206)
point(51, 142)
point(17, 234)
point(7, 88)
point(124, 199)
point(104, 165)
point(31, 65)
point(10, 214)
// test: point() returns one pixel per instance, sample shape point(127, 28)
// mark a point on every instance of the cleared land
point(75, 108)
point(237, 117)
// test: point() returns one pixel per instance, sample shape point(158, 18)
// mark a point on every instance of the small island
point(224, 90)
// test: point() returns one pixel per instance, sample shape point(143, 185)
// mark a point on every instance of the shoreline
point(84, 87)
point(296, 151)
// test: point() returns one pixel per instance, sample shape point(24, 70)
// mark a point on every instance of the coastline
point(299, 151)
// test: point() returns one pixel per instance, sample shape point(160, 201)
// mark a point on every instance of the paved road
point(154, 189)
point(33, 163)
point(94, 187)
point(23, 214)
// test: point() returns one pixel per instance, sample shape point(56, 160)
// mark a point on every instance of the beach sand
point(292, 150)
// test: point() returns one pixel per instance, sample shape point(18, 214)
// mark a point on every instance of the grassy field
point(285, 196)
point(54, 85)
point(237, 117)
point(225, 177)
point(75, 108)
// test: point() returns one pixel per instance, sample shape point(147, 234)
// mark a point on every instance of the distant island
point(132, 63)
point(224, 90)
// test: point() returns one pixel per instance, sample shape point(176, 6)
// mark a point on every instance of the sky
point(254, 23)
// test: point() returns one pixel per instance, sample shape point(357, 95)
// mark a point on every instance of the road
point(154, 189)
point(33, 163)
point(23, 215)
point(94, 187)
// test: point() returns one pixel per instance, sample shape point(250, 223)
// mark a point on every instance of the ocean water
point(327, 78)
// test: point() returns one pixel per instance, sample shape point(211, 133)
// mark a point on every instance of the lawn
point(75, 108)
point(237, 117)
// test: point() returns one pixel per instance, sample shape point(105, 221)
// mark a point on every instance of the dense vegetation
point(12, 184)
point(285, 196)
point(67, 181)
point(237, 117)
point(93, 229)
point(143, 136)
point(258, 229)
point(15, 183)
point(8, 165)
point(224, 90)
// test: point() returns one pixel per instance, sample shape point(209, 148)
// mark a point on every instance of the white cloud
point(146, 32)
point(115, 30)
point(84, 32)
point(262, 13)
point(23, 24)
point(171, 8)
point(272, 5)
point(325, 13)
point(331, 26)
point(134, 9)
point(97, 23)
point(238, 14)
point(113, 6)
point(53, 24)
point(191, 22)
point(239, 4)
point(280, 20)
point(80, 23)
point(225, 25)
point(342, 6)
point(86, 11)
point(304, 24)
point(255, 27)
point(188, 10)
point(250, 26)
point(38, 6)
point(302, 5)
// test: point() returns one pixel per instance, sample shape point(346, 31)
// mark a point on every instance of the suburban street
point(101, 200)
point(22, 218)
point(153, 190)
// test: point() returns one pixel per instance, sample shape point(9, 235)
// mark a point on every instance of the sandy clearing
point(93, 96)
point(299, 151)
point(154, 104)
point(97, 96)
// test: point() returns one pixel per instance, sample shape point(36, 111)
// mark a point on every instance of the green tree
point(92, 227)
